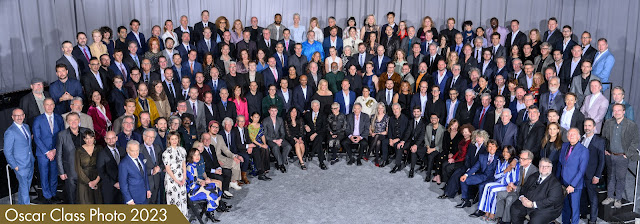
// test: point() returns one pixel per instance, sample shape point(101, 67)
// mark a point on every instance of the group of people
point(191, 112)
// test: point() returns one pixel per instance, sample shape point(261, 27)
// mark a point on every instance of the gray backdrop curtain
point(35, 28)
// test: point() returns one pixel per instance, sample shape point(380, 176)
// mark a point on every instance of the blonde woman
point(399, 58)
point(378, 135)
point(452, 60)
point(97, 48)
point(313, 26)
point(369, 27)
point(427, 24)
point(324, 96)
point(534, 41)
point(168, 31)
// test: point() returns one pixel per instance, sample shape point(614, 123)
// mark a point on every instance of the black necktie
point(140, 167)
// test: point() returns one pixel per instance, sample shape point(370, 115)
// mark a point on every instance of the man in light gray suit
point(504, 199)
point(153, 164)
point(357, 132)
point(76, 106)
point(68, 141)
point(577, 86)
point(17, 150)
point(196, 107)
point(595, 105)
point(275, 135)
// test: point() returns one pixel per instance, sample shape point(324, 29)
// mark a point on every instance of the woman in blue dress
point(507, 171)
point(202, 189)
point(369, 79)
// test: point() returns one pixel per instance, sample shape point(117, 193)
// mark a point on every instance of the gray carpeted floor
point(343, 194)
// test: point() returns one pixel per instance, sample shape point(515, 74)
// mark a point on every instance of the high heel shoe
point(303, 166)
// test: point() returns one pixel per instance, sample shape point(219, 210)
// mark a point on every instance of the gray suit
point(437, 142)
point(547, 61)
point(272, 133)
point(595, 111)
point(225, 156)
point(504, 199)
point(201, 117)
point(155, 181)
point(85, 120)
point(557, 104)
point(576, 87)
point(66, 158)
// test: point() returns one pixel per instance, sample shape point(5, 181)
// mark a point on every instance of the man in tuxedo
point(622, 137)
point(554, 99)
point(185, 28)
point(357, 132)
point(153, 164)
point(363, 57)
point(497, 49)
point(69, 59)
point(30, 102)
point(225, 108)
point(516, 69)
point(198, 28)
point(432, 58)
point(209, 107)
point(302, 95)
point(505, 132)
point(82, 53)
point(131, 59)
point(479, 174)
point(506, 198)
point(18, 152)
point(553, 35)
point(196, 107)
point(267, 44)
point(516, 37)
point(540, 197)
point(386, 95)
point(593, 174)
point(574, 158)
point(68, 141)
point(206, 45)
point(595, 105)
point(531, 132)
point(588, 52)
point(412, 142)
point(315, 126)
point(212, 166)
point(94, 80)
point(132, 176)
point(138, 37)
point(567, 43)
point(275, 134)
point(107, 164)
point(243, 145)
point(45, 133)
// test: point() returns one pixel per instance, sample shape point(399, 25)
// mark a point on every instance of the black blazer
point(356, 60)
point(173, 101)
point(590, 54)
point(291, 50)
point(83, 63)
point(107, 166)
point(198, 29)
point(463, 115)
point(577, 120)
point(548, 195)
point(81, 68)
point(555, 37)
point(193, 36)
point(432, 67)
point(531, 140)
point(210, 161)
point(565, 74)
point(30, 107)
point(319, 127)
point(116, 101)
point(269, 51)
point(241, 146)
point(90, 84)
point(461, 85)
point(220, 112)
point(414, 135)
point(596, 158)
point(299, 101)
point(209, 114)
point(472, 157)
point(397, 127)
point(520, 40)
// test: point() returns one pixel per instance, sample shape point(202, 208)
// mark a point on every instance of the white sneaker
point(607, 201)
point(235, 185)
point(228, 193)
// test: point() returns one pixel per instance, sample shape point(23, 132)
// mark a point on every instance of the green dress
point(267, 101)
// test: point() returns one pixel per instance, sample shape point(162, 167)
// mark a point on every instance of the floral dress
point(209, 192)
point(176, 194)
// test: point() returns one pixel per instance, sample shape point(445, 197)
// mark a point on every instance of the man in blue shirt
point(310, 46)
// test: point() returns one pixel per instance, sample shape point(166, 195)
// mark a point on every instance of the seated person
point(480, 173)
point(541, 197)
point(337, 127)
point(413, 140)
point(507, 172)
point(202, 189)
point(357, 133)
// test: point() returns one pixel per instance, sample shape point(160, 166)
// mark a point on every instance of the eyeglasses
point(334, 108)
point(549, 166)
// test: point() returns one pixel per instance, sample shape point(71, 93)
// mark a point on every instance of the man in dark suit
point(441, 75)
point(523, 115)
point(505, 132)
point(153, 164)
point(275, 136)
point(456, 81)
point(332, 41)
point(412, 142)
point(574, 159)
point(131, 59)
point(118, 66)
point(540, 197)
point(105, 68)
point(137, 36)
point(225, 108)
point(206, 45)
point(516, 37)
point(315, 126)
point(571, 115)
point(148, 76)
point(68, 141)
point(302, 95)
point(588, 52)
point(271, 74)
point(267, 44)
point(171, 87)
point(68, 58)
point(198, 28)
point(288, 43)
point(185, 47)
point(314, 76)
point(466, 110)
point(127, 133)
point(593, 173)
point(282, 59)
point(530, 133)
point(357, 132)
point(487, 67)
point(484, 117)
point(496, 48)
point(554, 99)
point(45, 133)
point(94, 80)
point(285, 94)
point(192, 66)
point(29, 104)
point(380, 61)
point(185, 28)
point(212, 166)
point(247, 44)
point(552, 35)
point(567, 43)
point(415, 58)
point(19, 155)
point(107, 164)
point(132, 176)
point(362, 57)
point(331, 22)
point(82, 53)
point(479, 174)
point(243, 145)
point(570, 68)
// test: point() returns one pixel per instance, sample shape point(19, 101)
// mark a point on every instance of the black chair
point(193, 205)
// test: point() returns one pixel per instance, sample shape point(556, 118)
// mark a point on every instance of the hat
point(36, 80)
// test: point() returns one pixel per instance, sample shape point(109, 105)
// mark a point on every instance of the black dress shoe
point(465, 203)
point(351, 161)
point(284, 169)
point(334, 161)
point(411, 173)
point(444, 196)
point(395, 169)
point(427, 179)
point(358, 162)
point(212, 217)
point(476, 214)
point(323, 167)
point(475, 200)
point(422, 168)
point(383, 164)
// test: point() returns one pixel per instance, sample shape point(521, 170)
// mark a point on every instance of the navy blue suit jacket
point(339, 98)
point(280, 65)
point(184, 54)
point(571, 170)
point(596, 158)
point(442, 84)
point(197, 67)
point(117, 71)
point(482, 168)
point(326, 44)
point(216, 90)
point(383, 67)
point(269, 79)
point(133, 184)
point(122, 139)
point(44, 139)
point(471, 158)
point(490, 71)
point(142, 46)
point(202, 49)
point(476, 117)
point(299, 101)
point(57, 89)
point(505, 135)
